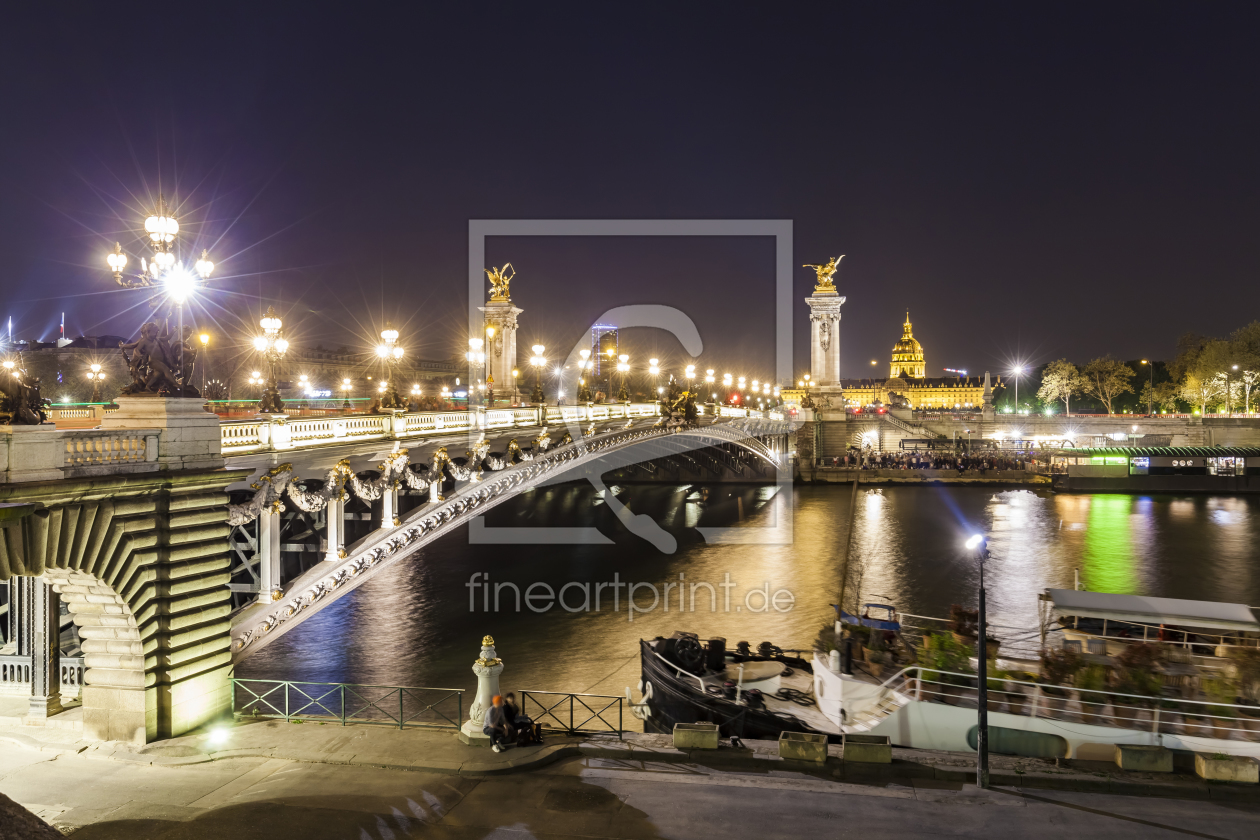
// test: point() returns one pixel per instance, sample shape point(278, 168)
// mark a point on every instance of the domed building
point(907, 355)
point(908, 381)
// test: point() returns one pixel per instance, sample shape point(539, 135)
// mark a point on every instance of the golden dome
point(907, 355)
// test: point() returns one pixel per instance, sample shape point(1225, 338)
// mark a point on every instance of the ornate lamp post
point(1150, 402)
point(584, 389)
point(610, 352)
point(538, 360)
point(205, 357)
point(345, 391)
point(273, 345)
point(516, 390)
point(476, 358)
point(390, 352)
point(654, 368)
point(623, 367)
point(95, 375)
point(175, 279)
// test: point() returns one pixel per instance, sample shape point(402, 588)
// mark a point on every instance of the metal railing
point(390, 705)
point(583, 710)
point(15, 675)
point(1143, 713)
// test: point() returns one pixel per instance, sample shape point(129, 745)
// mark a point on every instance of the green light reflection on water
point(1109, 562)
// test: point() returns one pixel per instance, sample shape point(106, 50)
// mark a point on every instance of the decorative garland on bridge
point(395, 471)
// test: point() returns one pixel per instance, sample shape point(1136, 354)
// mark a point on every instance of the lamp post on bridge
point(584, 365)
point(538, 360)
point(177, 281)
point(390, 352)
point(272, 345)
point(623, 367)
point(476, 360)
point(95, 375)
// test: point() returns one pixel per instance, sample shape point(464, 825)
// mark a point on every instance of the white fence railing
point(1164, 715)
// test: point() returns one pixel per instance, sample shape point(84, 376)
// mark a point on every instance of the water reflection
point(412, 623)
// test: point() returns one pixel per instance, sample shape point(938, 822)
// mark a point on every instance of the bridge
point(164, 545)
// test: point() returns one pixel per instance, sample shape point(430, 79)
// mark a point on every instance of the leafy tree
point(1106, 379)
point(1059, 383)
point(1164, 395)
point(1201, 389)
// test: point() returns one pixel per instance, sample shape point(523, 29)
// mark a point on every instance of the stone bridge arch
point(141, 563)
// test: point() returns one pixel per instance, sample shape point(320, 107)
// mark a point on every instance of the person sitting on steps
point(495, 724)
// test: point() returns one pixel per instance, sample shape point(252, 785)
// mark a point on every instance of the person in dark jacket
point(495, 724)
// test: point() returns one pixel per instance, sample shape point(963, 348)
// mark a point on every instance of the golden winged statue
point(826, 273)
point(499, 280)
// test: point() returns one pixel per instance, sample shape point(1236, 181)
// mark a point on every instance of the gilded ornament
point(826, 273)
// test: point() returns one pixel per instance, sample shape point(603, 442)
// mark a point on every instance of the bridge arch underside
point(692, 457)
point(315, 589)
point(141, 564)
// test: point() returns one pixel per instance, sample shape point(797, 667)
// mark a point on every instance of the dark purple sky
point(1074, 182)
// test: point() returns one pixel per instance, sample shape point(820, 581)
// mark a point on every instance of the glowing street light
point(623, 367)
point(538, 360)
point(390, 352)
point(95, 375)
point(584, 365)
point(272, 345)
point(345, 391)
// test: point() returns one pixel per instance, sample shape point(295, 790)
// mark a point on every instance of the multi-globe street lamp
point(623, 367)
point(165, 269)
point(272, 345)
point(95, 375)
point(390, 352)
point(538, 360)
point(476, 359)
point(584, 365)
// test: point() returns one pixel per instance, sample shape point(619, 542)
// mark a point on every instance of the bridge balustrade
point(241, 437)
point(91, 450)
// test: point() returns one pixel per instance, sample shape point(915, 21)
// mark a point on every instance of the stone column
point(487, 668)
point(268, 555)
point(501, 350)
point(335, 516)
point(45, 634)
point(389, 507)
point(824, 337)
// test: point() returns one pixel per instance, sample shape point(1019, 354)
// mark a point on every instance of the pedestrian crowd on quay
point(856, 458)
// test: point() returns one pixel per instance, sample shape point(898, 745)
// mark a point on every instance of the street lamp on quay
point(1016, 373)
point(272, 345)
point(95, 375)
point(623, 367)
point(391, 353)
point(538, 360)
point(980, 546)
point(1150, 398)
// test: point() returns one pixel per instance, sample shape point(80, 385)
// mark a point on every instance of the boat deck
point(801, 681)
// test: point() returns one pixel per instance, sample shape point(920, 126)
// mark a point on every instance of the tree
point(1106, 379)
point(1059, 383)
point(1247, 382)
point(1200, 389)
point(1164, 395)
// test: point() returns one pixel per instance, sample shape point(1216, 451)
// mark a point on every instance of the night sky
point(1070, 180)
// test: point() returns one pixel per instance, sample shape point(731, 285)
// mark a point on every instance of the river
point(418, 623)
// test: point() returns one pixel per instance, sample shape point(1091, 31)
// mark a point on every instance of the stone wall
point(142, 563)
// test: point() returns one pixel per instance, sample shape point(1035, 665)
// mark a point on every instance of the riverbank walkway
point(275, 779)
point(828, 474)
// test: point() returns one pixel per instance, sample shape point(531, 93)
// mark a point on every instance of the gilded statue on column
point(826, 273)
point(499, 280)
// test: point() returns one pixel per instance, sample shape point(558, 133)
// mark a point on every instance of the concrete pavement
point(244, 798)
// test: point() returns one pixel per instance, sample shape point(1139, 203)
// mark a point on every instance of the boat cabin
point(1106, 623)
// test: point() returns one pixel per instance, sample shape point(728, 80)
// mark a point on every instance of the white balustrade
point(242, 436)
point(88, 451)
